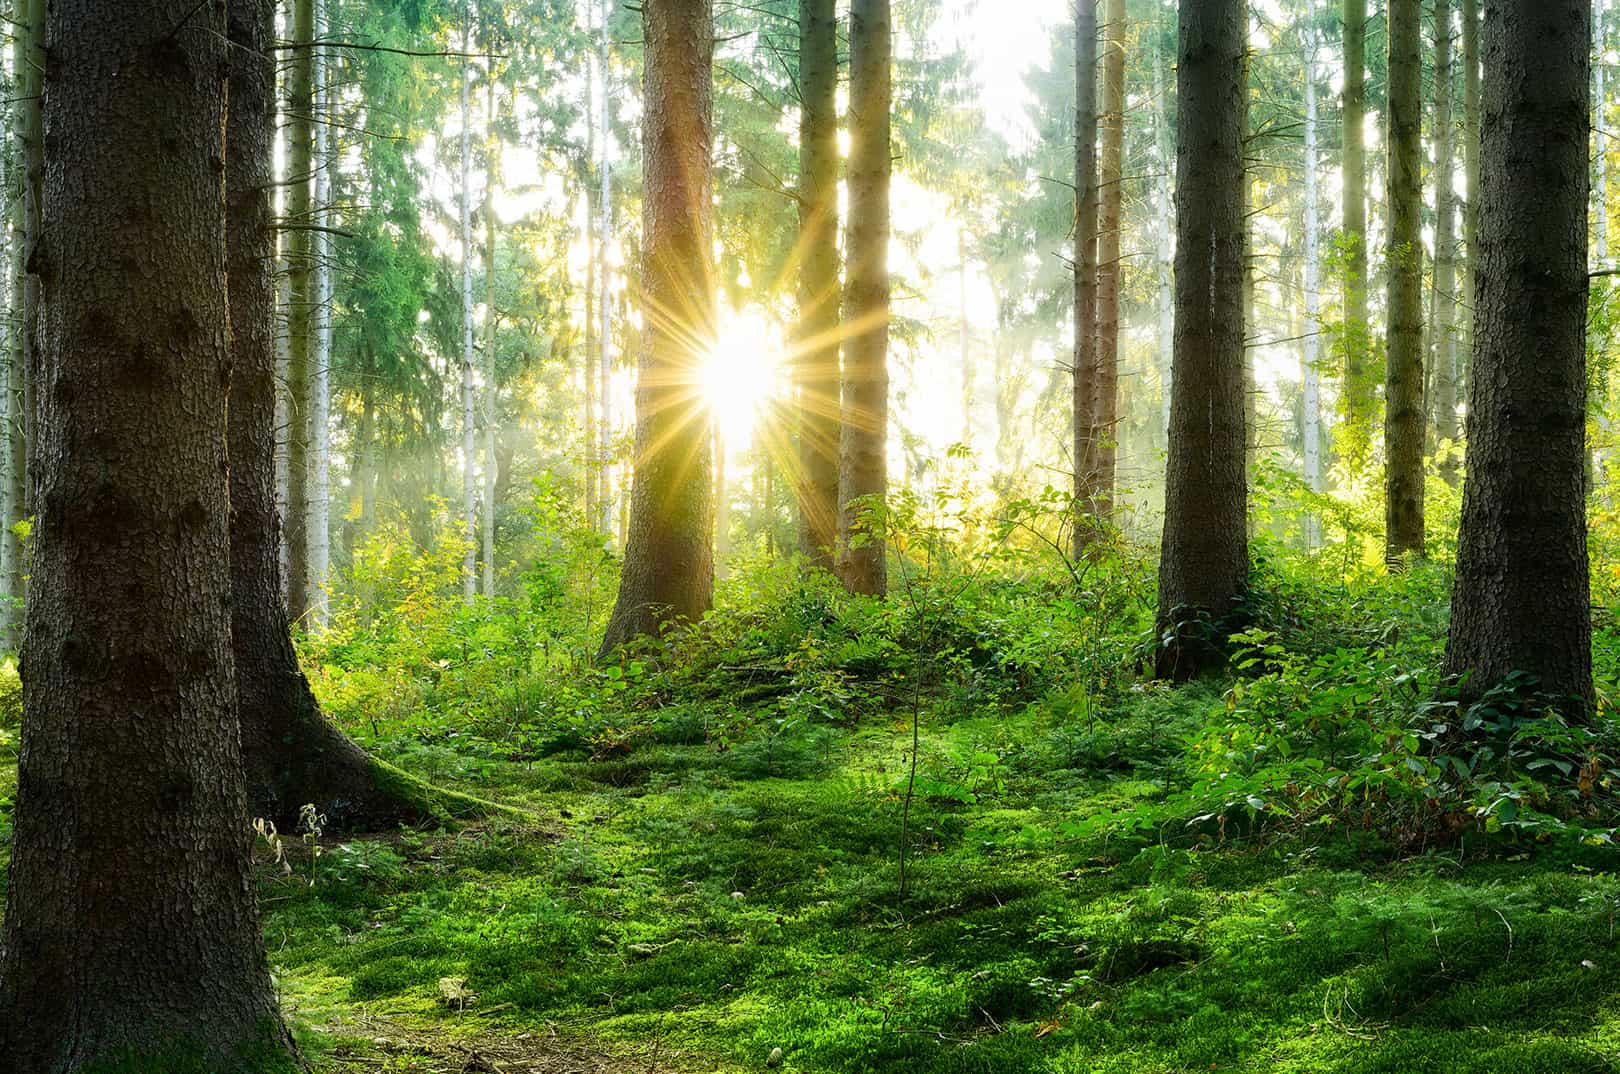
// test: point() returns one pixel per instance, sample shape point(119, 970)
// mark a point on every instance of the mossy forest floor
point(690, 906)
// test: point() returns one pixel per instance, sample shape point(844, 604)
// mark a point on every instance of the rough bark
point(1204, 560)
point(131, 917)
point(1403, 386)
point(668, 573)
point(816, 363)
point(320, 374)
point(1105, 419)
point(300, 301)
point(291, 755)
point(1086, 222)
point(1521, 599)
point(1445, 240)
point(863, 478)
point(1360, 376)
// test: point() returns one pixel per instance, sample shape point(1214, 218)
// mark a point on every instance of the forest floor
point(693, 906)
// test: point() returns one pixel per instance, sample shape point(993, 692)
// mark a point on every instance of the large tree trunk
point(1359, 397)
point(816, 362)
point(300, 301)
point(1521, 600)
point(1086, 209)
point(1105, 420)
point(291, 755)
point(1445, 241)
point(863, 467)
point(1403, 388)
point(131, 920)
point(1204, 561)
point(668, 573)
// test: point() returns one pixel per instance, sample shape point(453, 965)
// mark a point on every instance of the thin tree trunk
point(1445, 242)
point(964, 334)
point(1086, 210)
point(604, 305)
point(1311, 425)
point(1360, 402)
point(817, 347)
point(722, 503)
point(301, 303)
point(27, 157)
point(132, 932)
point(863, 468)
point(1105, 421)
point(593, 460)
point(1204, 561)
point(1471, 104)
point(1163, 223)
point(469, 405)
point(1521, 599)
point(320, 380)
point(668, 572)
point(1403, 390)
point(1600, 215)
point(491, 322)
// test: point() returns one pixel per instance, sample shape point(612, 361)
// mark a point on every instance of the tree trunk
point(863, 467)
point(1521, 600)
point(300, 302)
point(27, 162)
point(320, 379)
point(469, 405)
point(1403, 387)
point(131, 925)
point(1360, 403)
point(1105, 421)
point(593, 461)
point(604, 305)
point(1600, 215)
point(964, 332)
point(1311, 423)
point(817, 349)
point(491, 323)
point(1164, 141)
point(1086, 210)
point(1471, 102)
point(668, 573)
point(1445, 242)
point(291, 755)
point(1204, 561)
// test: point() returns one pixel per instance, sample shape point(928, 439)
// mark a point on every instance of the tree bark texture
point(131, 919)
point(1403, 386)
point(1360, 376)
point(863, 478)
point(1111, 179)
point(1086, 221)
point(300, 302)
point(816, 352)
point(1204, 559)
point(1445, 239)
point(668, 573)
point(1521, 599)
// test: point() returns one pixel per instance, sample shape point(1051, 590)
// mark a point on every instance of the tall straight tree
point(320, 374)
point(1470, 138)
point(469, 392)
point(1311, 401)
point(816, 350)
point(27, 159)
point(604, 303)
point(1204, 559)
point(668, 573)
point(1445, 239)
point(863, 463)
point(301, 300)
point(1086, 209)
point(1403, 387)
point(1359, 397)
point(131, 931)
point(291, 755)
point(1111, 184)
point(1521, 598)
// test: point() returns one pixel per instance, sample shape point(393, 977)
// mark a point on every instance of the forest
point(822, 536)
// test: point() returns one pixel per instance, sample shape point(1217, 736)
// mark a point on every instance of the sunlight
point(741, 375)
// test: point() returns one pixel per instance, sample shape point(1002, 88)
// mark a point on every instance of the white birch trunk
point(469, 435)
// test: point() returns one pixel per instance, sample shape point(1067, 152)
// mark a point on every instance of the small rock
point(775, 1059)
point(736, 896)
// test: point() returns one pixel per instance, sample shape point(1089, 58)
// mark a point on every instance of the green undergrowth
point(725, 899)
